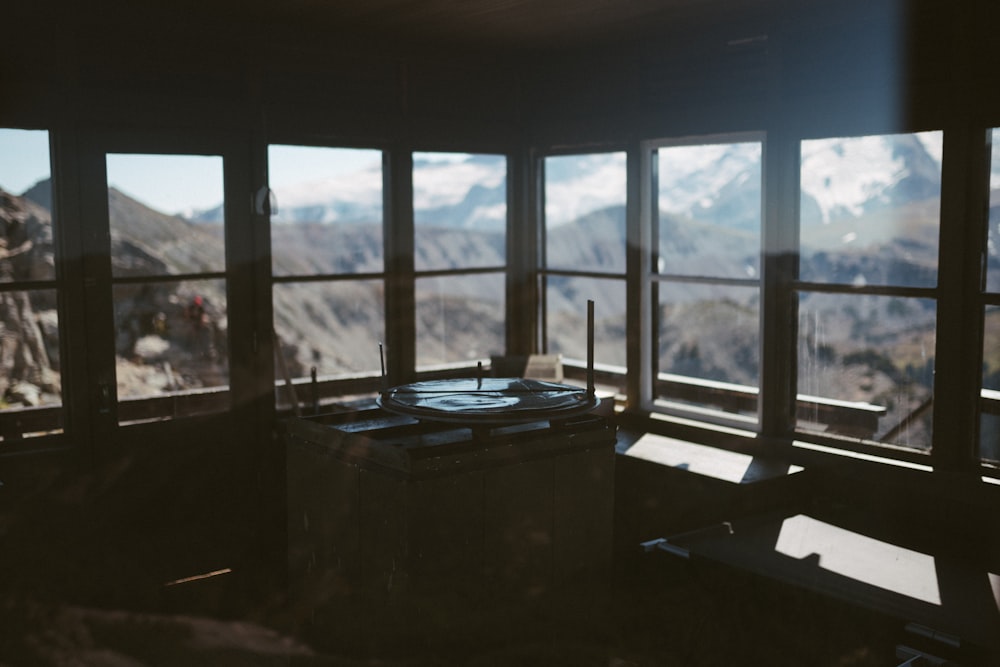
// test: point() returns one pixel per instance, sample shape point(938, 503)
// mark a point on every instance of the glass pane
point(866, 367)
point(993, 240)
point(870, 210)
point(29, 356)
point(170, 337)
point(166, 214)
point(459, 211)
point(334, 327)
point(989, 424)
point(26, 239)
point(460, 318)
point(30, 369)
point(566, 318)
point(326, 214)
point(585, 212)
point(709, 346)
point(710, 210)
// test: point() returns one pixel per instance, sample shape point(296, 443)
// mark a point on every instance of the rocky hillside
point(29, 346)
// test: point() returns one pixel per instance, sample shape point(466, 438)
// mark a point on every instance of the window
point(168, 282)
point(460, 247)
point(706, 277)
point(327, 263)
point(868, 254)
point(584, 257)
point(865, 292)
point(30, 353)
point(989, 420)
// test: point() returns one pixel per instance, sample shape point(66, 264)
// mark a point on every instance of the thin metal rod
point(590, 347)
point(381, 358)
point(507, 391)
point(314, 385)
point(283, 368)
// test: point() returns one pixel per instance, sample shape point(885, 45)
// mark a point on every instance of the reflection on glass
point(460, 318)
point(993, 239)
point(710, 334)
point(875, 352)
point(165, 214)
point(989, 415)
point(170, 336)
point(710, 210)
point(332, 326)
point(585, 212)
point(327, 210)
point(870, 210)
point(566, 318)
point(459, 211)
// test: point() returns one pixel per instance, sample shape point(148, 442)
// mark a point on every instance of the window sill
point(738, 456)
point(705, 460)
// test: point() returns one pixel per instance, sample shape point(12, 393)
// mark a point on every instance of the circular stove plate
point(489, 400)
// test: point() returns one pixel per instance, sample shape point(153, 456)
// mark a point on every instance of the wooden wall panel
point(384, 549)
point(447, 531)
point(518, 511)
point(324, 547)
point(583, 506)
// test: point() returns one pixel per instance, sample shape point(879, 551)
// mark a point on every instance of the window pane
point(989, 424)
point(165, 214)
point(870, 210)
point(566, 318)
point(460, 318)
point(459, 211)
point(710, 210)
point(26, 237)
point(29, 357)
point(327, 210)
point(30, 364)
point(866, 367)
point(335, 327)
point(709, 346)
point(170, 337)
point(993, 241)
point(585, 212)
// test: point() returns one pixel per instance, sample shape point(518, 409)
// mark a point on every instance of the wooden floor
point(85, 582)
point(668, 613)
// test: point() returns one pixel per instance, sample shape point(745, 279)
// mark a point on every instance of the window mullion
point(779, 267)
point(522, 256)
point(400, 299)
point(67, 208)
point(639, 232)
point(957, 375)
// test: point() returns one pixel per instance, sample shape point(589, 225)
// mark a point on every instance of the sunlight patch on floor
point(865, 559)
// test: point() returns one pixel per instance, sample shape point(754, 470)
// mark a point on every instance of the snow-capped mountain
point(578, 185)
point(841, 178)
point(848, 178)
point(466, 193)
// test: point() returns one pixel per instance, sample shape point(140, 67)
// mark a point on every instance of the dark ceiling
point(502, 25)
point(685, 44)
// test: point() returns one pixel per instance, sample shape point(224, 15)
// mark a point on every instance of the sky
point(179, 183)
point(168, 183)
point(172, 183)
point(24, 159)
